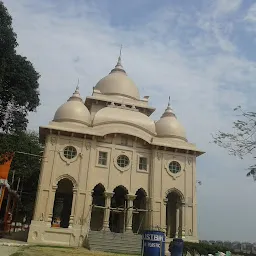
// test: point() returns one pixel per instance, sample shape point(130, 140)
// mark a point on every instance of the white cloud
point(251, 14)
point(189, 56)
point(227, 6)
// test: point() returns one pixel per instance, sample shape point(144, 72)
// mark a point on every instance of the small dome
point(169, 126)
point(118, 83)
point(73, 111)
point(114, 114)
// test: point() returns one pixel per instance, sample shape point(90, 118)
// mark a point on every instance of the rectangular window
point(103, 158)
point(143, 164)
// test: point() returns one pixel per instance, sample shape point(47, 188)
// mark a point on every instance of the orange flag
point(5, 165)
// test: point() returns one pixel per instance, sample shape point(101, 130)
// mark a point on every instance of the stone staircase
point(107, 241)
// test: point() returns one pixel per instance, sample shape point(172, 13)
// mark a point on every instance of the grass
point(59, 251)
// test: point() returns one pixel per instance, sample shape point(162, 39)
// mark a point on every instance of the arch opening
point(117, 219)
point(139, 213)
point(97, 214)
point(62, 204)
point(173, 214)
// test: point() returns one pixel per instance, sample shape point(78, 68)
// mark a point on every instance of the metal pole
point(2, 191)
point(142, 248)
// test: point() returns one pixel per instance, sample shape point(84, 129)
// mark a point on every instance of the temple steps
point(107, 241)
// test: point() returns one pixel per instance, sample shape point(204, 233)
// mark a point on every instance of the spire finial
point(120, 53)
point(169, 101)
point(77, 86)
point(119, 66)
point(120, 56)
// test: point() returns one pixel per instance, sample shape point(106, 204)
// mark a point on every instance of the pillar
point(50, 205)
point(165, 212)
point(183, 221)
point(108, 196)
point(130, 199)
point(72, 215)
point(148, 213)
point(177, 221)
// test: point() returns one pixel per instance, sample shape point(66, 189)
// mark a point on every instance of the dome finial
point(76, 95)
point(77, 86)
point(168, 111)
point(119, 66)
point(119, 63)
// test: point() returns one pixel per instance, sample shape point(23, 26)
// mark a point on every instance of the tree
point(25, 167)
point(242, 141)
point(19, 93)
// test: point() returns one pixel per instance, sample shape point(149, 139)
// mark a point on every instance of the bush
point(201, 248)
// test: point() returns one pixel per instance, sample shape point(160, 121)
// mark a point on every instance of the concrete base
point(41, 233)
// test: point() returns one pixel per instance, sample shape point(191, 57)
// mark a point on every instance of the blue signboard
point(153, 243)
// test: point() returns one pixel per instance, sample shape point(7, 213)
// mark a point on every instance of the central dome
point(118, 83)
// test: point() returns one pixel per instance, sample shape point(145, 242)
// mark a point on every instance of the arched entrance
point(97, 215)
point(173, 214)
point(117, 219)
point(62, 204)
point(139, 217)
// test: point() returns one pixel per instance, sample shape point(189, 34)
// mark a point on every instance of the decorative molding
point(53, 140)
point(131, 197)
point(66, 160)
point(177, 191)
point(122, 169)
point(173, 175)
point(66, 176)
point(159, 155)
point(190, 159)
point(88, 145)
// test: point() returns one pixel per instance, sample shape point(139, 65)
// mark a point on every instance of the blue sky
point(201, 53)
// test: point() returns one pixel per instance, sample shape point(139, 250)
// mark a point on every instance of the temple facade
point(108, 166)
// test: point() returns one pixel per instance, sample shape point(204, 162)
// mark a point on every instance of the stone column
point(50, 205)
point(165, 224)
point(108, 196)
point(147, 215)
point(72, 215)
point(183, 222)
point(130, 199)
point(177, 221)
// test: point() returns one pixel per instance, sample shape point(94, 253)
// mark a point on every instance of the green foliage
point(19, 93)
point(25, 167)
point(201, 248)
point(243, 140)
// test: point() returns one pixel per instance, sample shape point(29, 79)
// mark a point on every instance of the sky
point(201, 53)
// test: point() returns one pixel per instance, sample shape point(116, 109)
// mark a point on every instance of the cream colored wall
point(85, 173)
point(163, 182)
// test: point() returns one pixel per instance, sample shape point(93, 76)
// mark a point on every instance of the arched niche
point(117, 219)
point(98, 201)
point(139, 215)
point(62, 203)
point(174, 199)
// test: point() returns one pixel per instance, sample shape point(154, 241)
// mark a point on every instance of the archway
point(173, 214)
point(117, 219)
point(97, 215)
point(62, 204)
point(139, 216)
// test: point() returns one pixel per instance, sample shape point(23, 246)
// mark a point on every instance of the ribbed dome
point(133, 117)
point(73, 111)
point(169, 126)
point(118, 83)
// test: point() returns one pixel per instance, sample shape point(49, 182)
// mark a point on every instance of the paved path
point(8, 250)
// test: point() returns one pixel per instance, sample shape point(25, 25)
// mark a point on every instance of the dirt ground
point(54, 251)
point(7, 250)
